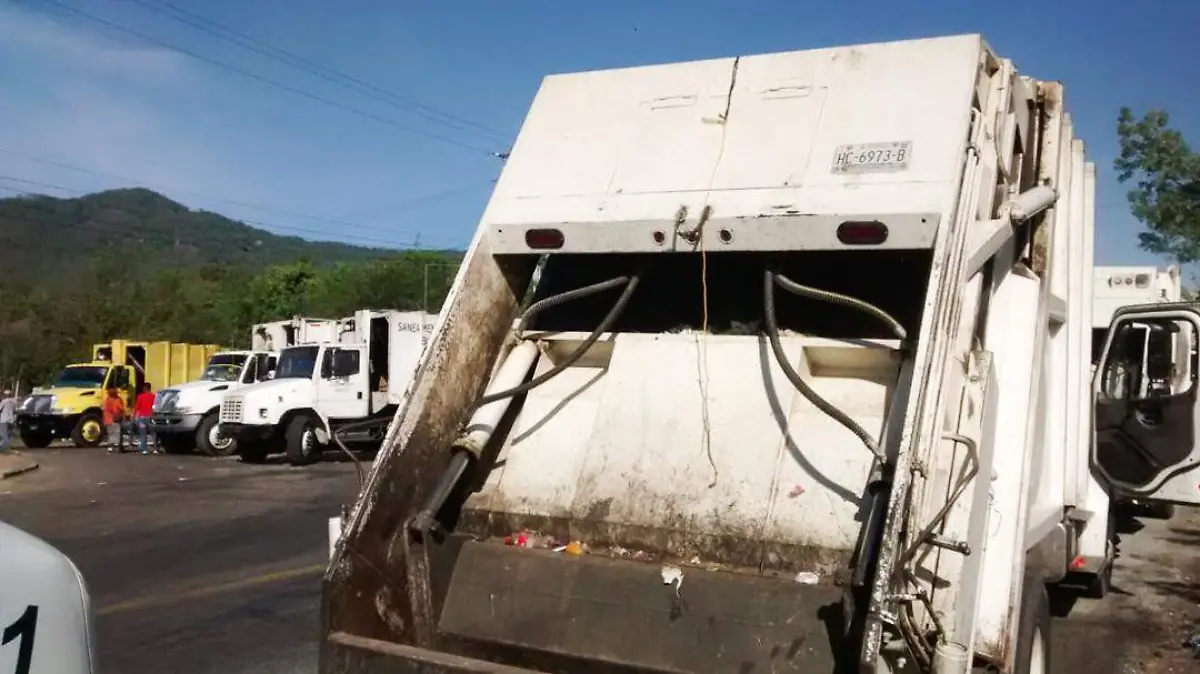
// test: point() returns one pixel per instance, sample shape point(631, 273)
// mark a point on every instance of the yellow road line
point(210, 590)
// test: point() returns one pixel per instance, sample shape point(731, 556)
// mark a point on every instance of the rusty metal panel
point(620, 612)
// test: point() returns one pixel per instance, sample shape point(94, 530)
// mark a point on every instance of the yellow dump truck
point(70, 406)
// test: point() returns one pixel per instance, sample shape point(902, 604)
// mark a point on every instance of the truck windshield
point(81, 377)
point(224, 367)
point(297, 362)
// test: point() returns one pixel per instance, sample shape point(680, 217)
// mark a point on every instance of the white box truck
point(803, 374)
point(187, 416)
point(350, 383)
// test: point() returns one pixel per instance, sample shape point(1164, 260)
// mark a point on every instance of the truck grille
point(40, 404)
point(166, 401)
point(231, 411)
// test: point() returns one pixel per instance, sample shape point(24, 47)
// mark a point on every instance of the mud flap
point(620, 613)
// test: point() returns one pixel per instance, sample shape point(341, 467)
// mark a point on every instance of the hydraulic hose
point(844, 300)
point(772, 324)
point(426, 520)
point(341, 443)
point(631, 284)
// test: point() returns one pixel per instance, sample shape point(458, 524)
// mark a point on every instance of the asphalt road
point(198, 565)
point(195, 565)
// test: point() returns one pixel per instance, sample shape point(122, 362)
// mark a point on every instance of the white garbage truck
point(350, 384)
point(1115, 287)
point(801, 385)
point(187, 416)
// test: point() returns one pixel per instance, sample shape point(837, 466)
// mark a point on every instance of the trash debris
point(529, 539)
point(1193, 642)
point(808, 578)
point(796, 491)
point(672, 575)
point(572, 548)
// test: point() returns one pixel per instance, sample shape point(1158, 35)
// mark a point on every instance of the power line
point(328, 74)
point(266, 80)
point(265, 226)
point(400, 205)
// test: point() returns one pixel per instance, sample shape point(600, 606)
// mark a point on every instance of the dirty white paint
point(631, 441)
point(589, 158)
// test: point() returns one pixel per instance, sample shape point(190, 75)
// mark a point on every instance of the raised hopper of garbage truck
point(784, 350)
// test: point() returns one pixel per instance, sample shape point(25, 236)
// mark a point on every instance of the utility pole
point(425, 294)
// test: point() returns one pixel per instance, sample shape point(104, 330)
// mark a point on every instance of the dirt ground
point(1140, 626)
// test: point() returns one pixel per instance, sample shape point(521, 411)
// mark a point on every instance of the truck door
point(1145, 392)
point(342, 383)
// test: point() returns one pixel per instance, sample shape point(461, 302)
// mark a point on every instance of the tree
point(1166, 173)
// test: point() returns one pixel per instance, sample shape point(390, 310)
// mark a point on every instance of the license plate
point(872, 157)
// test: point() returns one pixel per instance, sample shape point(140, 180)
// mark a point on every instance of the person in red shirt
point(143, 408)
point(114, 413)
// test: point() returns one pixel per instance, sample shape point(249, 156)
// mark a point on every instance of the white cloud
point(39, 36)
point(81, 98)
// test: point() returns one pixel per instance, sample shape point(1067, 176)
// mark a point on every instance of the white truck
point(350, 384)
point(803, 376)
point(1115, 287)
point(187, 416)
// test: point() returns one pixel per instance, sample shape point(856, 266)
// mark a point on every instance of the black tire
point(1033, 630)
point(205, 433)
point(175, 443)
point(301, 443)
point(36, 439)
point(89, 431)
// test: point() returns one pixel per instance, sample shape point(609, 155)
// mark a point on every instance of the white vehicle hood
point(276, 387)
point(200, 385)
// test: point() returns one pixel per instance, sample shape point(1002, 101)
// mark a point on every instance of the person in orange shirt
point(114, 414)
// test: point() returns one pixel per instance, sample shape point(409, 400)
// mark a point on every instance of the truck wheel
point(302, 447)
point(1033, 630)
point(89, 431)
point(210, 441)
point(36, 439)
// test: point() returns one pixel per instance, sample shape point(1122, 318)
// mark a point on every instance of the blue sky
point(132, 112)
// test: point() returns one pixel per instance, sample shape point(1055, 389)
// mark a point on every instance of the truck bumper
point(246, 433)
point(176, 423)
point(358, 654)
point(58, 425)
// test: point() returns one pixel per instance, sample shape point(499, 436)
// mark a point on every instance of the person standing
point(143, 409)
point(114, 414)
point(8, 418)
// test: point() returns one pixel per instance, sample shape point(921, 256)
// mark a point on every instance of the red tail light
point(862, 232)
point(544, 239)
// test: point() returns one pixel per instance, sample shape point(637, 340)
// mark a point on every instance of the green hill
point(41, 234)
point(131, 263)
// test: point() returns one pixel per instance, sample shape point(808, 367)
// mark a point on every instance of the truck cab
point(187, 416)
point(1146, 409)
point(322, 387)
point(71, 406)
